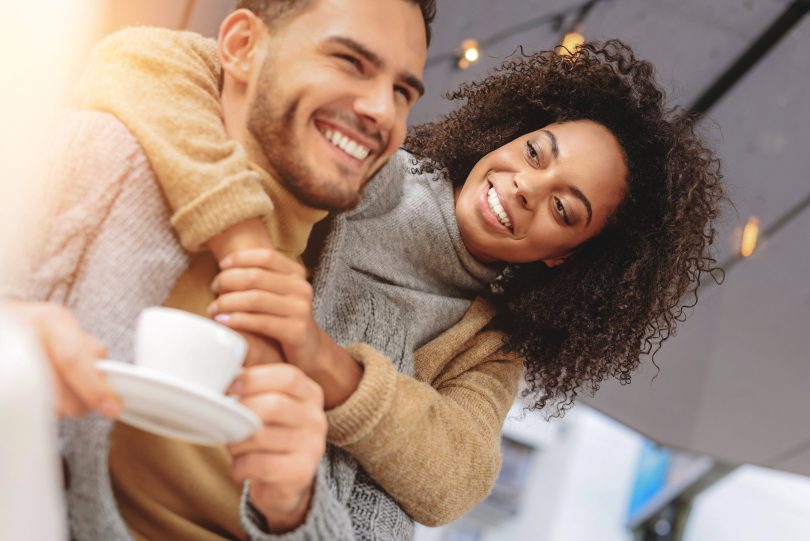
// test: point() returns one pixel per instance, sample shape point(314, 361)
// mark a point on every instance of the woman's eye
point(532, 153)
point(560, 208)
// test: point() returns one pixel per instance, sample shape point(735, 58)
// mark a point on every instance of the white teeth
point(496, 207)
point(349, 146)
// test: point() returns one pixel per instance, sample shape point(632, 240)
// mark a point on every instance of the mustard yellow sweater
point(432, 442)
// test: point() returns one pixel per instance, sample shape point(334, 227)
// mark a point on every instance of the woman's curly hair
point(622, 293)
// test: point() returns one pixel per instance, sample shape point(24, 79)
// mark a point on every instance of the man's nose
point(376, 105)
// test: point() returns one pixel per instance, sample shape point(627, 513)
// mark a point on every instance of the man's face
point(334, 94)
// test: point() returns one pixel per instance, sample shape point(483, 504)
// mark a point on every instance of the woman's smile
point(543, 194)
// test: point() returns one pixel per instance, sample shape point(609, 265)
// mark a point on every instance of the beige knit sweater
point(432, 442)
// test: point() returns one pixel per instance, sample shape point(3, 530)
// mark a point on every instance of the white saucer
point(170, 407)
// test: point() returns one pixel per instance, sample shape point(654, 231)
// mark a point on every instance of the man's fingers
point(278, 409)
point(294, 469)
point(264, 258)
point(271, 438)
point(278, 378)
point(245, 278)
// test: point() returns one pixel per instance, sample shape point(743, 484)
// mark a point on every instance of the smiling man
point(316, 94)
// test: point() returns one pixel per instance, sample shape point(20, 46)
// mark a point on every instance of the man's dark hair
point(274, 11)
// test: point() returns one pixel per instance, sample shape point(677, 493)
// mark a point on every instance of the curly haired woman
point(551, 224)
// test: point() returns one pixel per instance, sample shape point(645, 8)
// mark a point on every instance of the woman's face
point(542, 195)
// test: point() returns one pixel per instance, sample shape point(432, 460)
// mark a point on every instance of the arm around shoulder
point(164, 86)
point(435, 447)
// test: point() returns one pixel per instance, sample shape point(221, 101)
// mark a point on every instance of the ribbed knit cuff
point(327, 517)
point(356, 417)
point(229, 203)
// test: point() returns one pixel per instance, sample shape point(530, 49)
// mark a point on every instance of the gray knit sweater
point(394, 274)
point(108, 252)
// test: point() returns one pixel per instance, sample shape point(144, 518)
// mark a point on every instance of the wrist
point(337, 372)
point(282, 512)
point(250, 234)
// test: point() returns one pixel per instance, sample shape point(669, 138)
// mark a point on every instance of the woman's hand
point(72, 353)
point(263, 292)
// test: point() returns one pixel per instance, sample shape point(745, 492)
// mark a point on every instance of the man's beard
point(271, 127)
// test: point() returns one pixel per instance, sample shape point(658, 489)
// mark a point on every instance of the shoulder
point(145, 48)
point(384, 191)
point(93, 137)
point(93, 153)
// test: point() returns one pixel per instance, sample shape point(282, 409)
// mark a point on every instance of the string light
point(555, 20)
point(468, 53)
point(750, 236)
point(571, 43)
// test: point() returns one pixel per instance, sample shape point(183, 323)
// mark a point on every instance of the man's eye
point(354, 61)
point(404, 91)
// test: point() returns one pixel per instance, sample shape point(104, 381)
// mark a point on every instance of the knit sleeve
point(92, 158)
point(327, 518)
point(434, 445)
point(164, 86)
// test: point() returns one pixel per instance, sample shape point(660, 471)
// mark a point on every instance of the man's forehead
point(392, 30)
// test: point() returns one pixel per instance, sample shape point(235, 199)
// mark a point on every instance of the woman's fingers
point(73, 353)
point(260, 302)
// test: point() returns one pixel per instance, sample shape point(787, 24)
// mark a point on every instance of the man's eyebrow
point(576, 192)
point(552, 139)
point(374, 59)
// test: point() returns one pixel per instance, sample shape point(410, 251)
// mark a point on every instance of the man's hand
point(282, 458)
point(72, 353)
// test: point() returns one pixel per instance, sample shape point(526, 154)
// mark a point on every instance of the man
point(351, 64)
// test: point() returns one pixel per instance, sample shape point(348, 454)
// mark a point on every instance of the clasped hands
point(291, 362)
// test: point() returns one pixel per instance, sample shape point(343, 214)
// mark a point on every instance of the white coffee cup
point(188, 347)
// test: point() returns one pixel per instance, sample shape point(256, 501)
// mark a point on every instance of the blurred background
point(715, 445)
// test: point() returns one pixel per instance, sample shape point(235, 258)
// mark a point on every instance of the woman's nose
point(526, 189)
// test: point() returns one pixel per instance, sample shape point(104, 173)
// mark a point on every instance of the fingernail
point(222, 318)
point(225, 263)
point(212, 309)
point(215, 285)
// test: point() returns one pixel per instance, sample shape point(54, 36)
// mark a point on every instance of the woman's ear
point(556, 261)
point(239, 35)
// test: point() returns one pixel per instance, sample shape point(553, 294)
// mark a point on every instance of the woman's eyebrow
point(552, 139)
point(576, 192)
